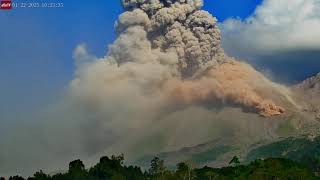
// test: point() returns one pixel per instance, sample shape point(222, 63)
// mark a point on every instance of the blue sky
point(36, 44)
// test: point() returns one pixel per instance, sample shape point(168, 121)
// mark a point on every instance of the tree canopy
point(114, 169)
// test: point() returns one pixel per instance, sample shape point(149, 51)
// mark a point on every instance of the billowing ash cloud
point(172, 46)
point(164, 84)
point(178, 27)
point(167, 62)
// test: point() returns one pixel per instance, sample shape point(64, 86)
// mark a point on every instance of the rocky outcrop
point(309, 92)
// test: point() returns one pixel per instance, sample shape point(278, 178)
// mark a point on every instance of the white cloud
point(275, 26)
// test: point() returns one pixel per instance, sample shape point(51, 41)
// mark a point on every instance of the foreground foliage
point(303, 150)
point(114, 169)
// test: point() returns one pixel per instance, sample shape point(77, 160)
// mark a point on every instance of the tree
point(182, 171)
point(16, 178)
point(157, 169)
point(119, 159)
point(107, 168)
point(76, 166)
point(77, 171)
point(112, 169)
point(40, 176)
point(210, 175)
point(235, 161)
point(118, 177)
point(315, 164)
point(134, 173)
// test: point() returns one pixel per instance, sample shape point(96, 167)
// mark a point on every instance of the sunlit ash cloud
point(167, 59)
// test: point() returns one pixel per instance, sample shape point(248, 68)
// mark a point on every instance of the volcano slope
point(296, 138)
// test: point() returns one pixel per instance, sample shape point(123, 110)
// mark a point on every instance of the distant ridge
point(311, 84)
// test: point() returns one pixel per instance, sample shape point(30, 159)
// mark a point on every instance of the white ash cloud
point(277, 26)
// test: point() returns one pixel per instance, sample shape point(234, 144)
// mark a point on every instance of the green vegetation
point(287, 127)
point(235, 160)
point(210, 155)
point(198, 155)
point(114, 169)
point(302, 150)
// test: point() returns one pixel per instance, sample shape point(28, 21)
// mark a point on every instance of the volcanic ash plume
point(167, 59)
point(173, 48)
point(231, 83)
point(177, 27)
